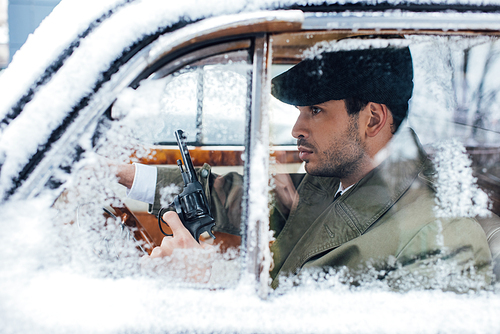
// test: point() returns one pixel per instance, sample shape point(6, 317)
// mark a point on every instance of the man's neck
point(370, 161)
point(358, 174)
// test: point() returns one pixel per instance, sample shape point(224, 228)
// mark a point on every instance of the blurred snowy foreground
point(44, 290)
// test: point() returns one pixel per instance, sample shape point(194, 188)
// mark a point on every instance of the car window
point(208, 99)
point(454, 112)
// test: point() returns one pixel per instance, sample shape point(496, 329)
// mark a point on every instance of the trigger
point(206, 231)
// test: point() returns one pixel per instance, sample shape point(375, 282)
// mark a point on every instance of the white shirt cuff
point(144, 185)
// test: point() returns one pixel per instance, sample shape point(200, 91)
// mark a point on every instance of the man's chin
point(309, 169)
point(315, 171)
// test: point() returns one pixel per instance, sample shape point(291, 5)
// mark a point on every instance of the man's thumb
point(174, 222)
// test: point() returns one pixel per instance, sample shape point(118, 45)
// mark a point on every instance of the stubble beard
point(342, 158)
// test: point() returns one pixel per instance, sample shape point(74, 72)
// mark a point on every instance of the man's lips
point(304, 153)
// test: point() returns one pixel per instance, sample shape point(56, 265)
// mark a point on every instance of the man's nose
point(299, 129)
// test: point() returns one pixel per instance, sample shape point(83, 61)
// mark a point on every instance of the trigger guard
point(207, 229)
point(211, 234)
point(160, 221)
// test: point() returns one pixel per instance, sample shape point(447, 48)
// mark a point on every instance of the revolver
point(191, 204)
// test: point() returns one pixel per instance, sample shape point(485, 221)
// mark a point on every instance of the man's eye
point(315, 110)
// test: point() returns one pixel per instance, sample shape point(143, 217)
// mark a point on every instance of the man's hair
point(354, 105)
point(399, 112)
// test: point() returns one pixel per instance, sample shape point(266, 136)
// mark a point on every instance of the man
point(367, 199)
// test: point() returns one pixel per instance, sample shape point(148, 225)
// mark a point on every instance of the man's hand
point(185, 258)
point(125, 174)
point(181, 238)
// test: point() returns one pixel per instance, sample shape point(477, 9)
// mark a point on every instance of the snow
point(47, 43)
point(43, 297)
point(332, 46)
point(457, 193)
point(52, 280)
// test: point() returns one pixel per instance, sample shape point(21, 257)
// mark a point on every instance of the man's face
point(329, 140)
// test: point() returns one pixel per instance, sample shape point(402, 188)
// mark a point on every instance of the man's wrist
point(126, 174)
point(144, 184)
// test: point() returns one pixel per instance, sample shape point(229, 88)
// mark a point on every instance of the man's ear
point(377, 118)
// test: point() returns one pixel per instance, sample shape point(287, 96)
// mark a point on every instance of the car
point(102, 83)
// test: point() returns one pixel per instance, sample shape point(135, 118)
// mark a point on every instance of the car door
point(207, 80)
